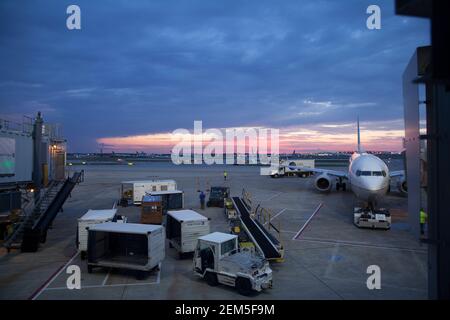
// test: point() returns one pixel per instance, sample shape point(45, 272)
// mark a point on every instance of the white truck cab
point(218, 260)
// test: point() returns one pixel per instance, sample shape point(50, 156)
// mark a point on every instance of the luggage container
point(183, 229)
point(90, 218)
point(151, 210)
point(130, 246)
point(171, 200)
point(133, 191)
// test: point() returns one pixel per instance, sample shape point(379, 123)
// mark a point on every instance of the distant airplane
point(368, 176)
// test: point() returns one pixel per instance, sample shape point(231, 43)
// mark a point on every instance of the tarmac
point(326, 256)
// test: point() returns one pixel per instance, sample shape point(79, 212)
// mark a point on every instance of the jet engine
point(323, 183)
point(402, 186)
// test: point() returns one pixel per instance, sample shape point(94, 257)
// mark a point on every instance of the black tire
point(244, 286)
point(208, 204)
point(83, 255)
point(344, 187)
point(211, 279)
point(90, 269)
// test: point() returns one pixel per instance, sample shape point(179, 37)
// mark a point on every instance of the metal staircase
point(32, 229)
point(30, 217)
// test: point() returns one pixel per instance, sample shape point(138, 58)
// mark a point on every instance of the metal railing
point(28, 214)
point(26, 126)
point(51, 130)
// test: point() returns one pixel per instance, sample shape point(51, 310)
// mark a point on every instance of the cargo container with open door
point(130, 246)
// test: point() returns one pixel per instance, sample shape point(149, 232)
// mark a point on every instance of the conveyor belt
point(264, 240)
point(268, 234)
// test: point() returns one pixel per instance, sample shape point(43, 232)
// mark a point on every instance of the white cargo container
point(184, 227)
point(91, 217)
point(135, 190)
point(132, 246)
point(291, 164)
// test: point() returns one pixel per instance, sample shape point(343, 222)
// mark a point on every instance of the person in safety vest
point(423, 221)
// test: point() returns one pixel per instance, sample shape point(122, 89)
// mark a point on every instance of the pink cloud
point(341, 137)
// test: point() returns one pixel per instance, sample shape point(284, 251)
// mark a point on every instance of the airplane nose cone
point(375, 184)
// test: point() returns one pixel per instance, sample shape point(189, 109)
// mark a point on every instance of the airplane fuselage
point(368, 176)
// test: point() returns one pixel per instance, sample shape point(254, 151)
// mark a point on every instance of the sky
point(138, 70)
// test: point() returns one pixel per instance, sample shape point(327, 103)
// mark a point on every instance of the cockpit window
point(370, 173)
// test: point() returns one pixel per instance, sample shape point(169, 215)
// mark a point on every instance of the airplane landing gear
point(340, 184)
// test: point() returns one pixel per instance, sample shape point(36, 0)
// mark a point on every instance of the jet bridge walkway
point(267, 244)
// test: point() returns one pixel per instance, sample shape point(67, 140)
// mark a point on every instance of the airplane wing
point(336, 173)
point(399, 173)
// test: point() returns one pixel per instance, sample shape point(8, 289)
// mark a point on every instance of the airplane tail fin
point(359, 138)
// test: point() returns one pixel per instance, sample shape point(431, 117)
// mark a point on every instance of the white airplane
point(368, 177)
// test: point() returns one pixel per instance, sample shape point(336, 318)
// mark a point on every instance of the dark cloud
point(139, 67)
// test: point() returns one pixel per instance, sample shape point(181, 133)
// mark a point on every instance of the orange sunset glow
point(326, 137)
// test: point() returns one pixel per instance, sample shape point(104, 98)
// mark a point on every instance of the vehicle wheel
point(344, 187)
point(244, 286)
point(90, 269)
point(208, 204)
point(211, 279)
point(83, 255)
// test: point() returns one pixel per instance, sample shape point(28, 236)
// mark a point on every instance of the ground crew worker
point(202, 200)
point(423, 221)
point(225, 174)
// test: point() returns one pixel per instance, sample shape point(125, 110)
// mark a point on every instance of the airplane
point(368, 176)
